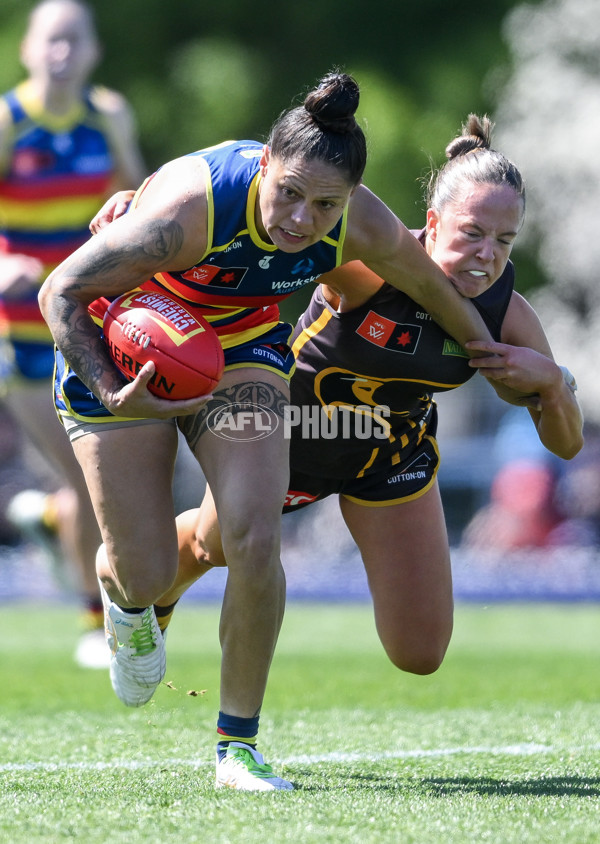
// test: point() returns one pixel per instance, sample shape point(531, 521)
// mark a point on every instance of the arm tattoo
point(150, 245)
point(250, 395)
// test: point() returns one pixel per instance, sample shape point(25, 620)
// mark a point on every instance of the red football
point(186, 351)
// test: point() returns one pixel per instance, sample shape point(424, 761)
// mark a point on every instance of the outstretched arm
point(378, 238)
point(522, 371)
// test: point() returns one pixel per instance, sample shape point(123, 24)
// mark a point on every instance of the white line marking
point(304, 759)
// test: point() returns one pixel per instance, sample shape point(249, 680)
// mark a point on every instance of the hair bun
point(476, 134)
point(333, 103)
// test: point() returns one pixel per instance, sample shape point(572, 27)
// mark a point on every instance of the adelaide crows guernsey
point(385, 358)
point(240, 278)
point(56, 173)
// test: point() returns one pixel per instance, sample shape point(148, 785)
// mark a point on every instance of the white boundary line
point(356, 756)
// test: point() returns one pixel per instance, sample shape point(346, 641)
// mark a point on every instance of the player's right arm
point(166, 231)
point(380, 240)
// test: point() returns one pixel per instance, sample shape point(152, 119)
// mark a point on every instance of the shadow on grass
point(309, 780)
point(542, 787)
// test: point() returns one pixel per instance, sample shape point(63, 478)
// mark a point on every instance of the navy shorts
point(391, 485)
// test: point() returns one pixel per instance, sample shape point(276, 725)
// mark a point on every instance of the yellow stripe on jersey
point(28, 332)
point(210, 222)
point(369, 463)
point(339, 244)
point(48, 215)
point(33, 107)
point(239, 337)
point(310, 332)
point(251, 204)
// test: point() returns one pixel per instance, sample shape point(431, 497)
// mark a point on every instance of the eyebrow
point(288, 181)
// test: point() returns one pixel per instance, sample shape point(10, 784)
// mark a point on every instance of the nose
point(486, 250)
point(62, 48)
point(301, 215)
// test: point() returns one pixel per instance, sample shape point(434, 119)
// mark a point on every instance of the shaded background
point(197, 74)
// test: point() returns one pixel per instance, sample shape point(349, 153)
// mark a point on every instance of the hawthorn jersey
point(385, 359)
point(240, 278)
point(56, 173)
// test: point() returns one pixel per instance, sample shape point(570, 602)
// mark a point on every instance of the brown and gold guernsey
point(385, 359)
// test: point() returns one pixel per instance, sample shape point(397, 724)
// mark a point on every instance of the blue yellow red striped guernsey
point(240, 278)
point(57, 175)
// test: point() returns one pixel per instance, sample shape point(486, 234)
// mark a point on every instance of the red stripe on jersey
point(55, 187)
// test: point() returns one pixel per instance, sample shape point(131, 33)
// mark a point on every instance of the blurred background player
point(64, 146)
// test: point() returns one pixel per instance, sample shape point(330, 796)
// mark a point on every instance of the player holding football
point(387, 487)
point(64, 147)
point(233, 229)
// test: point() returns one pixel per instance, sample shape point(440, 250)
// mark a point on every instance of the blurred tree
point(549, 120)
point(199, 74)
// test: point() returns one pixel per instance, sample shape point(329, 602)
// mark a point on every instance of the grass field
point(501, 745)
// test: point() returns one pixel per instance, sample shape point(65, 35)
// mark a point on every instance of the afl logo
point(247, 422)
point(265, 261)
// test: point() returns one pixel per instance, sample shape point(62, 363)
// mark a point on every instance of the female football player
point(65, 145)
point(233, 229)
point(365, 347)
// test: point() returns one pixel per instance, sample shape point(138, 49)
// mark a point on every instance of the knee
point(207, 553)
point(134, 591)
point(417, 663)
point(422, 657)
point(254, 547)
point(136, 585)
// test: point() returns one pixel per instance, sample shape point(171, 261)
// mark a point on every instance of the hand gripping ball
point(146, 325)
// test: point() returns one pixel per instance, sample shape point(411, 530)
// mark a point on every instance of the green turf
point(501, 745)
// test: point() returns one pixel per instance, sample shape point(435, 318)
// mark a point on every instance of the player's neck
point(58, 100)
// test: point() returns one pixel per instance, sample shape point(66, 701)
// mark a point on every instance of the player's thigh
point(129, 473)
point(246, 457)
point(406, 556)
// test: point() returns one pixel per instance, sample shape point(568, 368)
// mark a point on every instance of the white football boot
point(138, 659)
point(242, 767)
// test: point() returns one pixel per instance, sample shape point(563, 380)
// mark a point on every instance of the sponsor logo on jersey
point(26, 162)
point(212, 276)
point(417, 470)
point(304, 265)
point(288, 286)
point(395, 336)
point(296, 499)
point(453, 349)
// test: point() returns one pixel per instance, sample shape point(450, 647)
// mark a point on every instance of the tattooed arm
point(167, 230)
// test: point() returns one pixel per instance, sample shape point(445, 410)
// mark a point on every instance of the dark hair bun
point(333, 103)
point(476, 134)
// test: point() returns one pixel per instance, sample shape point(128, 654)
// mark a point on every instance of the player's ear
point(432, 224)
point(264, 160)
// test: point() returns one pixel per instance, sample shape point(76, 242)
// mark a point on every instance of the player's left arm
point(121, 129)
point(522, 371)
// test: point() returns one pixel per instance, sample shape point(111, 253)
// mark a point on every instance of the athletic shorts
point(392, 485)
point(27, 361)
point(79, 408)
